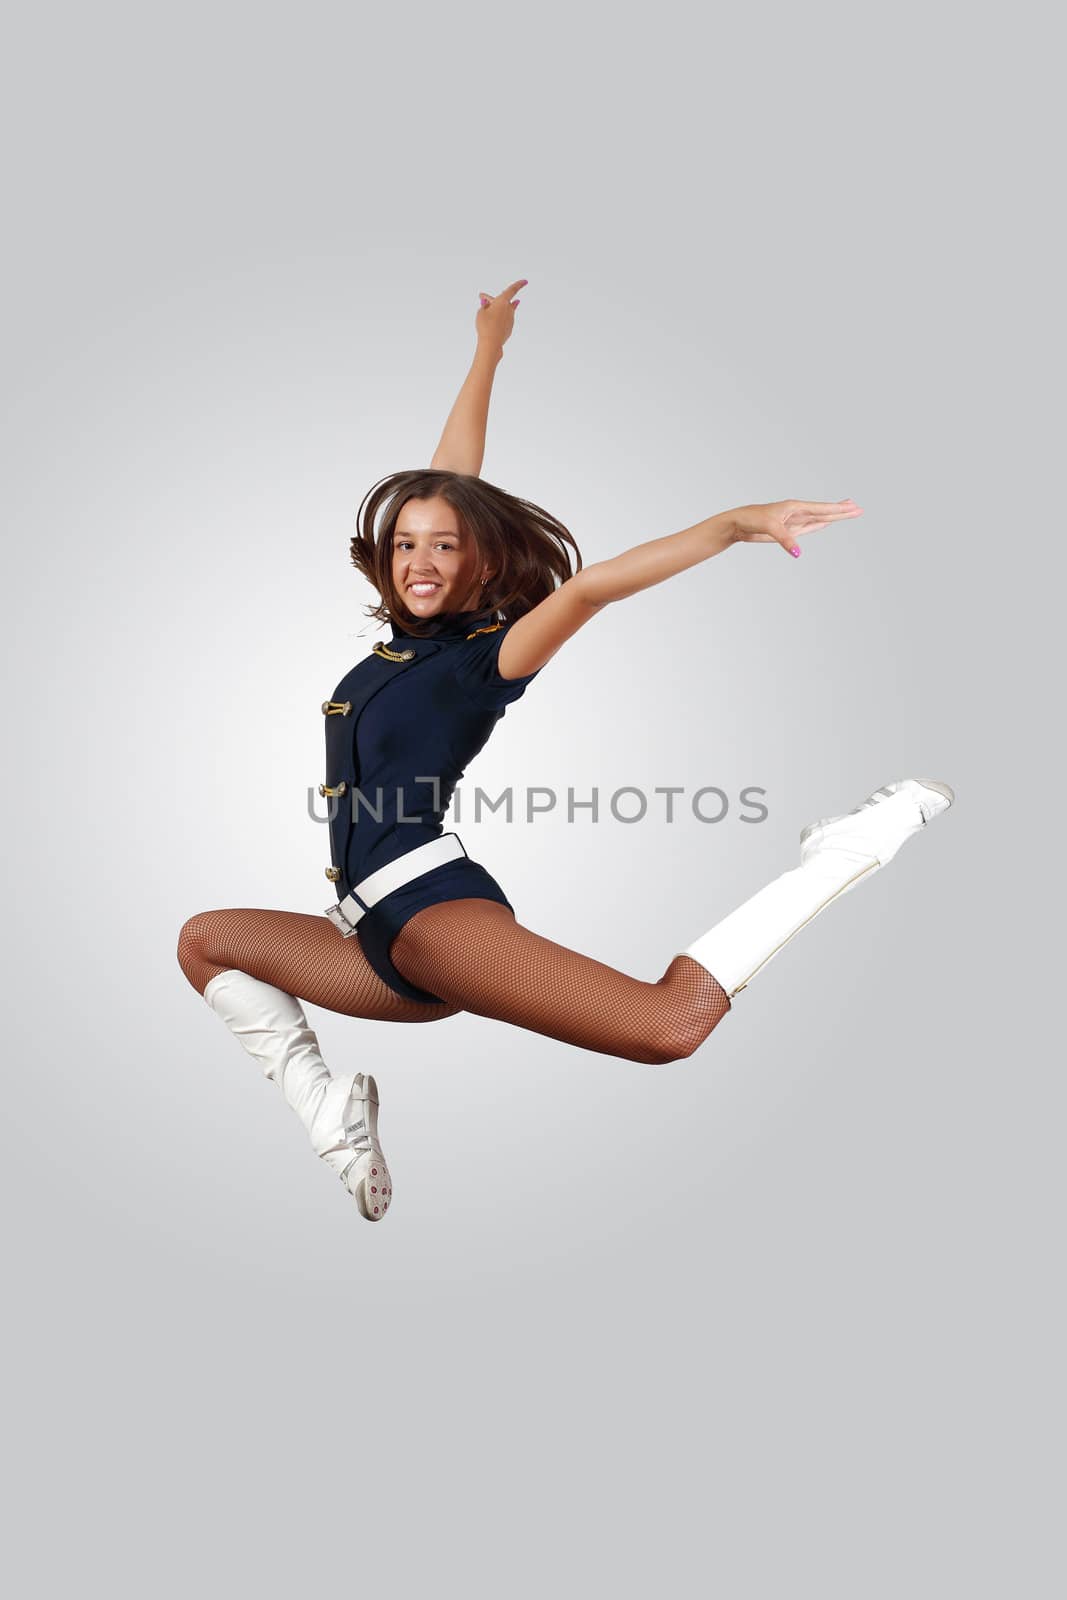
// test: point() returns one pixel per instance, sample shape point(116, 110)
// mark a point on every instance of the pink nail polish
point(795, 550)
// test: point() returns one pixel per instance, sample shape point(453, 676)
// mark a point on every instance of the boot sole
point(373, 1194)
point(375, 1190)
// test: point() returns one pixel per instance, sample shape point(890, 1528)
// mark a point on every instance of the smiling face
point(435, 564)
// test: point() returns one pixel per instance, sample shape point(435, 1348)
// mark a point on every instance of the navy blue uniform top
point(394, 726)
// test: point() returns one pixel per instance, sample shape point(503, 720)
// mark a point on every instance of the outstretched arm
point(536, 637)
point(646, 564)
point(462, 445)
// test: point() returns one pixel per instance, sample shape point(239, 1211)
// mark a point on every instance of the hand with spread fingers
point(496, 317)
point(784, 521)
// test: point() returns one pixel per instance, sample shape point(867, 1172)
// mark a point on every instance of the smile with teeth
point(423, 588)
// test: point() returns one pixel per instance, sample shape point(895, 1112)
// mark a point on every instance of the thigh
point(474, 954)
point(302, 954)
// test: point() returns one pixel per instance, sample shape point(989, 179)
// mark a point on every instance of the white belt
point(375, 887)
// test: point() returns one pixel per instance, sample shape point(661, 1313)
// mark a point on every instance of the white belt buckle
point(344, 927)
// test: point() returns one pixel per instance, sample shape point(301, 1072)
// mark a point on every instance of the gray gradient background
point(783, 1318)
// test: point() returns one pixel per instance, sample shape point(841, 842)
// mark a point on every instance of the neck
point(443, 623)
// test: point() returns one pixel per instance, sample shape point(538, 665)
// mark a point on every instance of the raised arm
point(536, 637)
point(462, 445)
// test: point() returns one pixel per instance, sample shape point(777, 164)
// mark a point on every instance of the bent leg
point(303, 955)
point(474, 954)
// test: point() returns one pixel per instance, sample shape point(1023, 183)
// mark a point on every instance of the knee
point(657, 1048)
point(675, 1040)
point(192, 940)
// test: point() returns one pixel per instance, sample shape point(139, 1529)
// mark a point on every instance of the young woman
point(480, 592)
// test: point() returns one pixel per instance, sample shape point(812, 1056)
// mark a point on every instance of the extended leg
point(481, 959)
point(474, 954)
point(250, 965)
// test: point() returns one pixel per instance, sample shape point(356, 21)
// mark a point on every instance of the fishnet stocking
point(302, 954)
point(474, 955)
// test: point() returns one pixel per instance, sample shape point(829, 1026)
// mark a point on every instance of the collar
point(452, 625)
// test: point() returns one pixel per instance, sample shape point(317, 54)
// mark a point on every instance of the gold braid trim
point(491, 629)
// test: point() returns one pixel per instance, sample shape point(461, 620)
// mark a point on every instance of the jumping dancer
point(480, 592)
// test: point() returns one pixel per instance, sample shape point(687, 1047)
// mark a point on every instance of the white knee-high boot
point(836, 853)
point(339, 1114)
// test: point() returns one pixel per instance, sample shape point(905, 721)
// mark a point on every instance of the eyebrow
point(438, 533)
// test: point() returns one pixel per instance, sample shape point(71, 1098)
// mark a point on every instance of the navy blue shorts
point(462, 879)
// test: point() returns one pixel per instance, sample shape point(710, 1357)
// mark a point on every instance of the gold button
point(324, 789)
point(333, 873)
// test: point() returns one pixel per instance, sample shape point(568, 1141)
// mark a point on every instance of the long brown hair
point(525, 547)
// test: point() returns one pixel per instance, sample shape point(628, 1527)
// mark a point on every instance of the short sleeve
point(479, 676)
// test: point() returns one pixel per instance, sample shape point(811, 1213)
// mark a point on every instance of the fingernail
point(795, 550)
